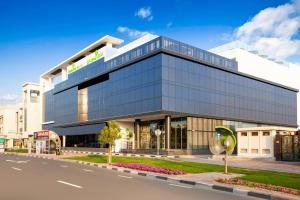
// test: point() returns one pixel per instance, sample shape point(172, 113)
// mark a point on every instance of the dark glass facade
point(167, 77)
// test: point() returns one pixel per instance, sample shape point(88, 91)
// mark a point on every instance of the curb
point(120, 154)
point(198, 184)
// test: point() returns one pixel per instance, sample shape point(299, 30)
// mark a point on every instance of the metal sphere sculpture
point(222, 140)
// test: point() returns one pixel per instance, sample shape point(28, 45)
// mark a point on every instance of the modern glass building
point(158, 83)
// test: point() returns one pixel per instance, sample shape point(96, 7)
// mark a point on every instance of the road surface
point(26, 178)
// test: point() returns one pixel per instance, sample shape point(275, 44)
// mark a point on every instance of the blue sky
point(36, 35)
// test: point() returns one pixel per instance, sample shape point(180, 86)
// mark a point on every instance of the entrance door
point(38, 147)
point(287, 147)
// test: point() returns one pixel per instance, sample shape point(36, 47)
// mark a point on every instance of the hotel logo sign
point(85, 61)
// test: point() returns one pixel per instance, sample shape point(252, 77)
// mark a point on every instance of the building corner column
point(167, 131)
point(63, 141)
point(137, 133)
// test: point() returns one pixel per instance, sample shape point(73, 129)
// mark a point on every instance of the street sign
point(41, 134)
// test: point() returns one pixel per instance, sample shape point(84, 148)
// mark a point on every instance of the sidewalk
point(278, 166)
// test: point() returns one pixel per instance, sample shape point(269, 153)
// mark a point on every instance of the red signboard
point(41, 134)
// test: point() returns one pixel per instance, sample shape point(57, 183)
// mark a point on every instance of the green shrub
point(17, 150)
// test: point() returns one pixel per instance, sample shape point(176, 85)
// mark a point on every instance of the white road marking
point(17, 169)
point(64, 166)
point(180, 186)
point(23, 161)
point(70, 184)
point(20, 161)
point(124, 176)
point(87, 170)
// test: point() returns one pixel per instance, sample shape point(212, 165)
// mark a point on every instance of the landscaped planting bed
point(150, 168)
point(236, 181)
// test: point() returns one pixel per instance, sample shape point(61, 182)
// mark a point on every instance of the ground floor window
point(178, 137)
point(178, 134)
point(90, 140)
point(148, 139)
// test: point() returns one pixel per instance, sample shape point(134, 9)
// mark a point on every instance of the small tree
point(109, 134)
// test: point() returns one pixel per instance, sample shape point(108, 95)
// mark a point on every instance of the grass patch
point(17, 150)
point(268, 177)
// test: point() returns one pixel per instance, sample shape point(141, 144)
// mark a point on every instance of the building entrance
point(287, 147)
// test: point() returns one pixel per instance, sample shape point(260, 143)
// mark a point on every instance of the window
point(83, 104)
point(254, 133)
point(266, 151)
point(254, 151)
point(266, 133)
point(34, 95)
point(244, 150)
point(244, 134)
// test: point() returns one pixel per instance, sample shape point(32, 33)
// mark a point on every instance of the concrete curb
point(120, 154)
point(173, 179)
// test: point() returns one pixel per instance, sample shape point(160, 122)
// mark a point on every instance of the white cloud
point(273, 30)
point(145, 13)
point(131, 32)
point(169, 24)
point(9, 98)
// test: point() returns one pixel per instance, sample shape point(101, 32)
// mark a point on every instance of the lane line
point(183, 186)
point(64, 166)
point(19, 161)
point(17, 169)
point(69, 184)
point(125, 176)
point(87, 170)
point(22, 161)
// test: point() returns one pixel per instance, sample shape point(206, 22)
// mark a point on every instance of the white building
point(253, 62)
point(259, 141)
point(31, 110)
point(11, 124)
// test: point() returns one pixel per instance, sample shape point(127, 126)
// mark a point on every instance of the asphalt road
point(24, 178)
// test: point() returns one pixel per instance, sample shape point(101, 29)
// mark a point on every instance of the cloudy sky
point(36, 35)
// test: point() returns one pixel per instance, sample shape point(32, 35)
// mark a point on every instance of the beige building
point(259, 141)
point(31, 109)
point(11, 123)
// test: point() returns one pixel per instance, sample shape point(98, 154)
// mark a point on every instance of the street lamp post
point(158, 133)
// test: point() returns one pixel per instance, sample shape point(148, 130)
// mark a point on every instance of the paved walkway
point(279, 166)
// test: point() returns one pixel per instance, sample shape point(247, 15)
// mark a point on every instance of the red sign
point(41, 134)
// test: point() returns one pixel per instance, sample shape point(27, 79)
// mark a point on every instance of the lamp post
point(158, 133)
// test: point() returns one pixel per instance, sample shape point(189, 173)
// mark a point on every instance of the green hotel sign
point(85, 61)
